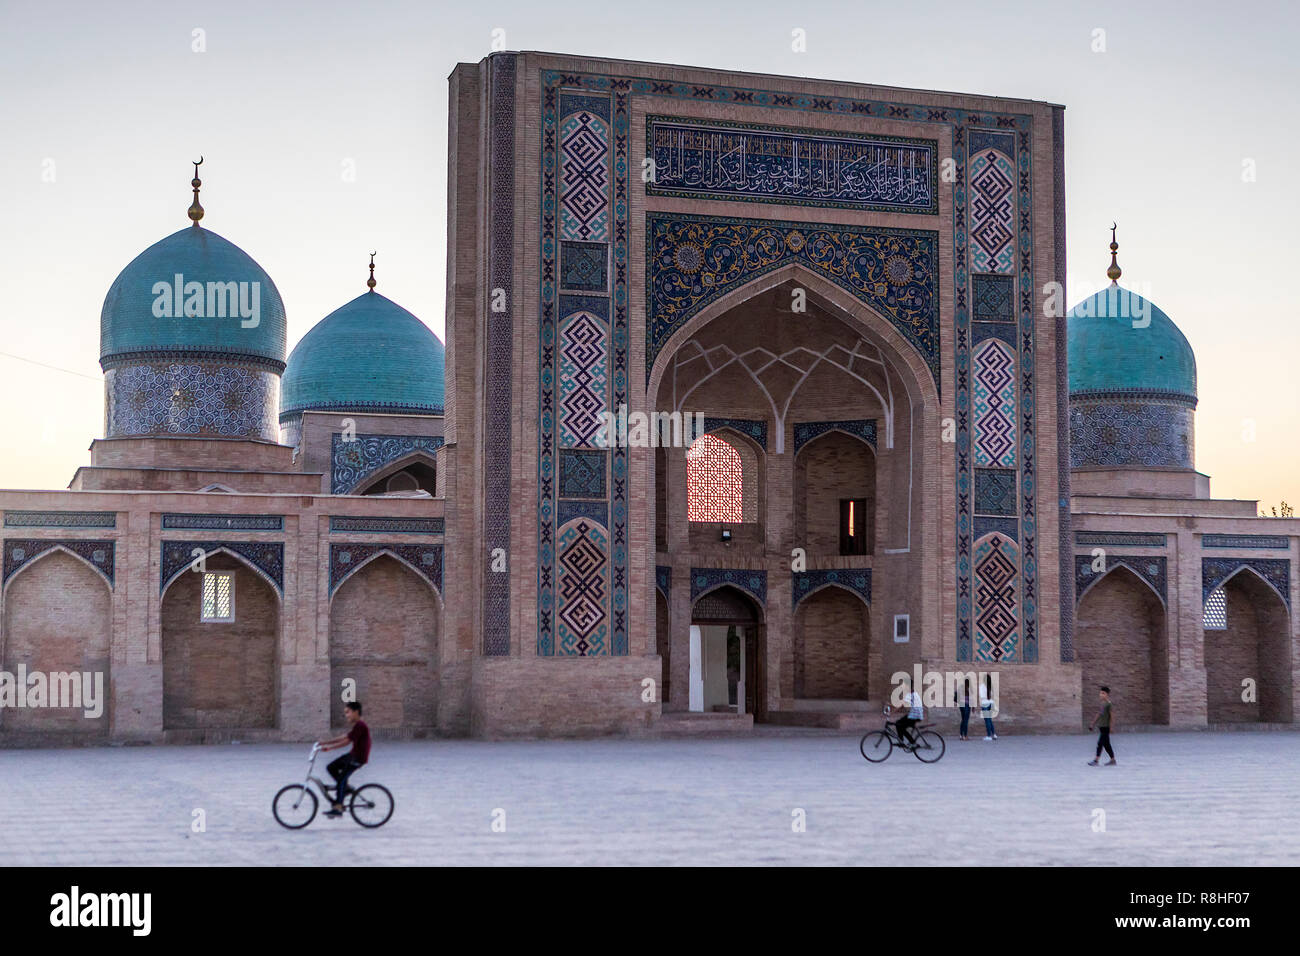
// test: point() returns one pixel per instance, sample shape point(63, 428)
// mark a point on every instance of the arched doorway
point(1247, 659)
point(727, 669)
point(1121, 641)
point(58, 620)
point(385, 621)
point(415, 473)
point(663, 642)
point(220, 637)
point(831, 645)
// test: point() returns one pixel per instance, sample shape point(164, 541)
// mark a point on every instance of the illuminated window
point(853, 526)
point(715, 481)
point(1216, 611)
point(218, 597)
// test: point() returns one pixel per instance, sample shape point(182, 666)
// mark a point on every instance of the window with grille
point(1216, 611)
point(715, 481)
point(218, 597)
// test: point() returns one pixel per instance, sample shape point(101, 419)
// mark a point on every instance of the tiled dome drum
point(192, 342)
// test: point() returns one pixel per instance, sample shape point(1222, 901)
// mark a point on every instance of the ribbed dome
point(130, 322)
point(1108, 353)
point(368, 355)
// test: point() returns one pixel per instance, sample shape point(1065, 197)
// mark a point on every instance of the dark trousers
point(342, 768)
point(1103, 740)
point(965, 720)
point(904, 723)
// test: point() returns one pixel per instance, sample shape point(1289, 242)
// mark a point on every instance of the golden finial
point(196, 211)
point(1114, 272)
point(370, 283)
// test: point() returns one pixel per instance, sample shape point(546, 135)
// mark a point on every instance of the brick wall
point(1119, 635)
point(827, 470)
point(220, 676)
point(832, 629)
point(384, 635)
point(57, 619)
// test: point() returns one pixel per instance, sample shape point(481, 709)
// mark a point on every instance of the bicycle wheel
point(294, 806)
point(371, 805)
point(876, 746)
point(929, 746)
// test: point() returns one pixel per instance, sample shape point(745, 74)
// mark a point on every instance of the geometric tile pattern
point(1130, 433)
point(995, 405)
point(342, 523)
point(582, 363)
point(692, 261)
point(355, 461)
point(425, 559)
point(857, 580)
point(996, 618)
point(1134, 539)
point(1152, 570)
point(582, 616)
point(993, 299)
point(1276, 571)
point(582, 474)
point(973, 136)
point(499, 415)
point(584, 378)
point(719, 160)
point(224, 522)
point(706, 579)
point(191, 398)
point(664, 579)
point(19, 552)
point(584, 171)
point(995, 492)
point(567, 509)
point(863, 428)
point(60, 519)
point(266, 556)
point(969, 130)
point(1265, 541)
point(992, 245)
point(584, 266)
point(755, 429)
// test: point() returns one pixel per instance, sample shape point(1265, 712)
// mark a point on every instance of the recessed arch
point(45, 553)
point(835, 430)
point(1265, 581)
point(1112, 566)
point(832, 644)
point(416, 456)
point(275, 588)
point(748, 594)
point(386, 552)
point(918, 381)
point(1121, 641)
point(832, 584)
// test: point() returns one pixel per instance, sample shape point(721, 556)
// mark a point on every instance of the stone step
point(678, 723)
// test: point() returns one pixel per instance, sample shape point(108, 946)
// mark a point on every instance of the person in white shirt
point(915, 714)
point(986, 707)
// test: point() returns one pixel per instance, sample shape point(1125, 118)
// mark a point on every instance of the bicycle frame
point(311, 778)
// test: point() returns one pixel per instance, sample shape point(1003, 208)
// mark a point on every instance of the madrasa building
point(901, 452)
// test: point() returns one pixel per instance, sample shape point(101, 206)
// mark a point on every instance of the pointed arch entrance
point(1247, 657)
point(1121, 641)
point(727, 654)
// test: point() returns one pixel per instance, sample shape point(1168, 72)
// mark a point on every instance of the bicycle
point(928, 747)
point(371, 803)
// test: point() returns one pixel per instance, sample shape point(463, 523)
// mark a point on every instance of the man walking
point(1103, 724)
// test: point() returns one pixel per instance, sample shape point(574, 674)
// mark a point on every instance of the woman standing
point(965, 710)
point(986, 707)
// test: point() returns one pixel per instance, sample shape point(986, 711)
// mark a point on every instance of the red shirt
point(360, 737)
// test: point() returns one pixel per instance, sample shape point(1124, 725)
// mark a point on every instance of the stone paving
point(1175, 798)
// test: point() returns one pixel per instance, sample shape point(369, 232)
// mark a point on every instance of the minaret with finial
point(370, 283)
point(196, 211)
point(1114, 272)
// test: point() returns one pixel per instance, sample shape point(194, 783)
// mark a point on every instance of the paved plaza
point(1175, 798)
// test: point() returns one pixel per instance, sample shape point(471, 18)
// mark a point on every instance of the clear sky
point(104, 105)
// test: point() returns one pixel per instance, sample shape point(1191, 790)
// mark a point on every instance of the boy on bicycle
point(343, 767)
point(915, 714)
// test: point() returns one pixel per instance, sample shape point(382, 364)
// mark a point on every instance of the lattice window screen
point(218, 596)
point(1216, 611)
point(715, 481)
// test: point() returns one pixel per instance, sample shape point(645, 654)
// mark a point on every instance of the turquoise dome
point(1107, 353)
point(140, 310)
point(368, 355)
